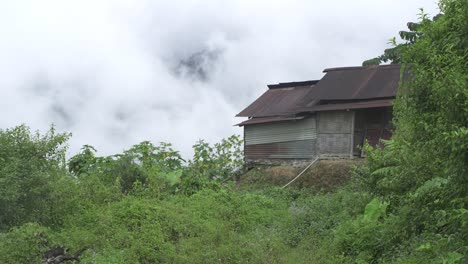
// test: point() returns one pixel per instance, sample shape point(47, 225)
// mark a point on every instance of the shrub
point(30, 164)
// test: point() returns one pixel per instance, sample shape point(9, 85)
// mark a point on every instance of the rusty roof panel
point(347, 84)
point(260, 120)
point(355, 83)
point(278, 101)
point(360, 83)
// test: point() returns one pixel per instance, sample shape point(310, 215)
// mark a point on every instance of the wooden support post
point(353, 114)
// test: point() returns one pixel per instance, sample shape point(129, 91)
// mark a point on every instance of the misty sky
point(117, 72)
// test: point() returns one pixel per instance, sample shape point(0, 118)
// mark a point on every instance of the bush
point(30, 165)
point(24, 244)
point(422, 171)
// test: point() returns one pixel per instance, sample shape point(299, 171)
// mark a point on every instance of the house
point(331, 117)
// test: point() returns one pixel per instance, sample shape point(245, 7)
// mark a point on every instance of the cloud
point(115, 73)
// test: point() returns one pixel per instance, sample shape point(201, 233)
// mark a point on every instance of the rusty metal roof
point(340, 88)
point(355, 83)
point(277, 101)
point(260, 120)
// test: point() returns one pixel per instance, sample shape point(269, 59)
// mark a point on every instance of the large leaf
point(374, 210)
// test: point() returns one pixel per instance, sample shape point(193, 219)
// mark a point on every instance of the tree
point(393, 55)
point(423, 171)
point(30, 163)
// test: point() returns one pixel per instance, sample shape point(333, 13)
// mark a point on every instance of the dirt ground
point(324, 175)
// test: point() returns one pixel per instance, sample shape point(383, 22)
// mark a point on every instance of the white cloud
point(107, 70)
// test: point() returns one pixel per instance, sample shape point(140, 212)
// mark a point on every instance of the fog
point(115, 72)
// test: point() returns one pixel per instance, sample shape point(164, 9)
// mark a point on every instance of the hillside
point(407, 203)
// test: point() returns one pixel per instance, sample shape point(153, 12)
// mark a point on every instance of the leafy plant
point(30, 163)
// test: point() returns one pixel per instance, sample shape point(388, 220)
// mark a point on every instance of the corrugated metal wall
point(334, 132)
point(281, 140)
point(330, 133)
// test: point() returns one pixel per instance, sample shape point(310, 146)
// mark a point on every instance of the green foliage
point(314, 217)
point(212, 165)
point(162, 157)
point(146, 206)
point(364, 238)
point(219, 161)
point(123, 207)
point(84, 161)
point(394, 54)
point(24, 244)
point(30, 164)
point(423, 170)
point(142, 165)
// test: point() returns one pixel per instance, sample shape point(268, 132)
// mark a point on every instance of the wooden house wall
point(334, 133)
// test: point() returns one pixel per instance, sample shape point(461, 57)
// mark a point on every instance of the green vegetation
point(147, 205)
point(406, 204)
